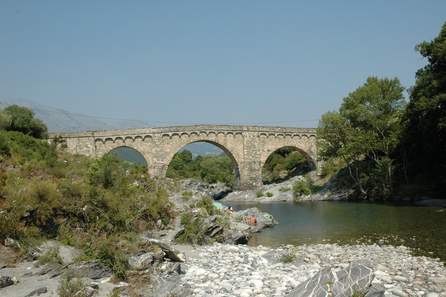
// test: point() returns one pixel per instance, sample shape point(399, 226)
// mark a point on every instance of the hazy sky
point(183, 62)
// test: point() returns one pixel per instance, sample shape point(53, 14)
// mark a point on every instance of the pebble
point(229, 270)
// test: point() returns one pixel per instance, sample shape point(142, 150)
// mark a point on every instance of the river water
point(421, 228)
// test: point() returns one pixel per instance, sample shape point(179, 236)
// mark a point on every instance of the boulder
point(68, 254)
point(263, 219)
point(337, 282)
point(93, 269)
point(6, 281)
point(38, 292)
point(170, 252)
point(141, 261)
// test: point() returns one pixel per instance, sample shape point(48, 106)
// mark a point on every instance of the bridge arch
point(227, 151)
point(130, 154)
point(307, 165)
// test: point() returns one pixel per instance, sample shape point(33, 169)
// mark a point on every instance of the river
point(421, 228)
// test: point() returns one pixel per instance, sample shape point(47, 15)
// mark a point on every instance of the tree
point(366, 130)
point(424, 137)
point(21, 119)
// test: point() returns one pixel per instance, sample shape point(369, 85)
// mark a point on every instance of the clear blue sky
point(183, 62)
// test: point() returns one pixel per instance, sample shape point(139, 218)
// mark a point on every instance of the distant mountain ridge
point(59, 120)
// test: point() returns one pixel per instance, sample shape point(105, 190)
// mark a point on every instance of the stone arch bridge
point(248, 146)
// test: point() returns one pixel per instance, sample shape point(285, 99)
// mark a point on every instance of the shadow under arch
point(227, 152)
point(129, 154)
point(296, 167)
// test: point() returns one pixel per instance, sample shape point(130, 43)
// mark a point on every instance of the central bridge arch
point(225, 150)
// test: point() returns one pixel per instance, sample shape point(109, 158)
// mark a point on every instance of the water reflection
point(422, 228)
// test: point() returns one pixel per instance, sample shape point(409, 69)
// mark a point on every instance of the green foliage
point(301, 187)
point(269, 194)
point(207, 204)
point(284, 189)
point(422, 158)
point(91, 204)
point(283, 164)
point(50, 257)
point(194, 231)
point(186, 195)
point(358, 294)
point(259, 194)
point(72, 286)
point(210, 169)
point(21, 119)
point(366, 129)
point(288, 257)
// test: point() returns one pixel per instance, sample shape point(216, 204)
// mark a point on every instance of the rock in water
point(336, 282)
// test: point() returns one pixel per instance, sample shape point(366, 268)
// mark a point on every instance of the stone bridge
point(248, 146)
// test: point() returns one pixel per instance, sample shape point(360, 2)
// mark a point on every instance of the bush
point(193, 229)
point(210, 169)
point(288, 257)
point(72, 286)
point(259, 194)
point(206, 203)
point(186, 195)
point(283, 164)
point(284, 189)
point(300, 188)
point(50, 257)
point(21, 119)
point(269, 194)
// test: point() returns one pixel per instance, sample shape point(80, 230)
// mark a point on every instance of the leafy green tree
point(424, 142)
point(283, 164)
point(210, 169)
point(21, 119)
point(366, 130)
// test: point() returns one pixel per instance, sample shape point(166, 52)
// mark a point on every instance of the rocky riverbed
point(371, 270)
point(239, 270)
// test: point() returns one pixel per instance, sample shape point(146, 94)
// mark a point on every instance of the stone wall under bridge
point(248, 146)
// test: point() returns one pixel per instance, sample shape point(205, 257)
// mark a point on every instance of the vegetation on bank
point(281, 165)
point(210, 169)
point(284, 163)
point(381, 145)
point(47, 193)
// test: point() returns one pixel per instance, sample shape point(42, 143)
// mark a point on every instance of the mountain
point(59, 120)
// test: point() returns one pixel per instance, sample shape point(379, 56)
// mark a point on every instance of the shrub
point(300, 188)
point(210, 169)
point(21, 119)
point(206, 203)
point(288, 257)
point(259, 194)
point(186, 195)
point(284, 189)
point(4, 147)
point(50, 257)
point(72, 286)
point(193, 229)
point(269, 194)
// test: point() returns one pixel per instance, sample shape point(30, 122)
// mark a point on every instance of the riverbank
point(228, 270)
point(236, 270)
point(283, 192)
